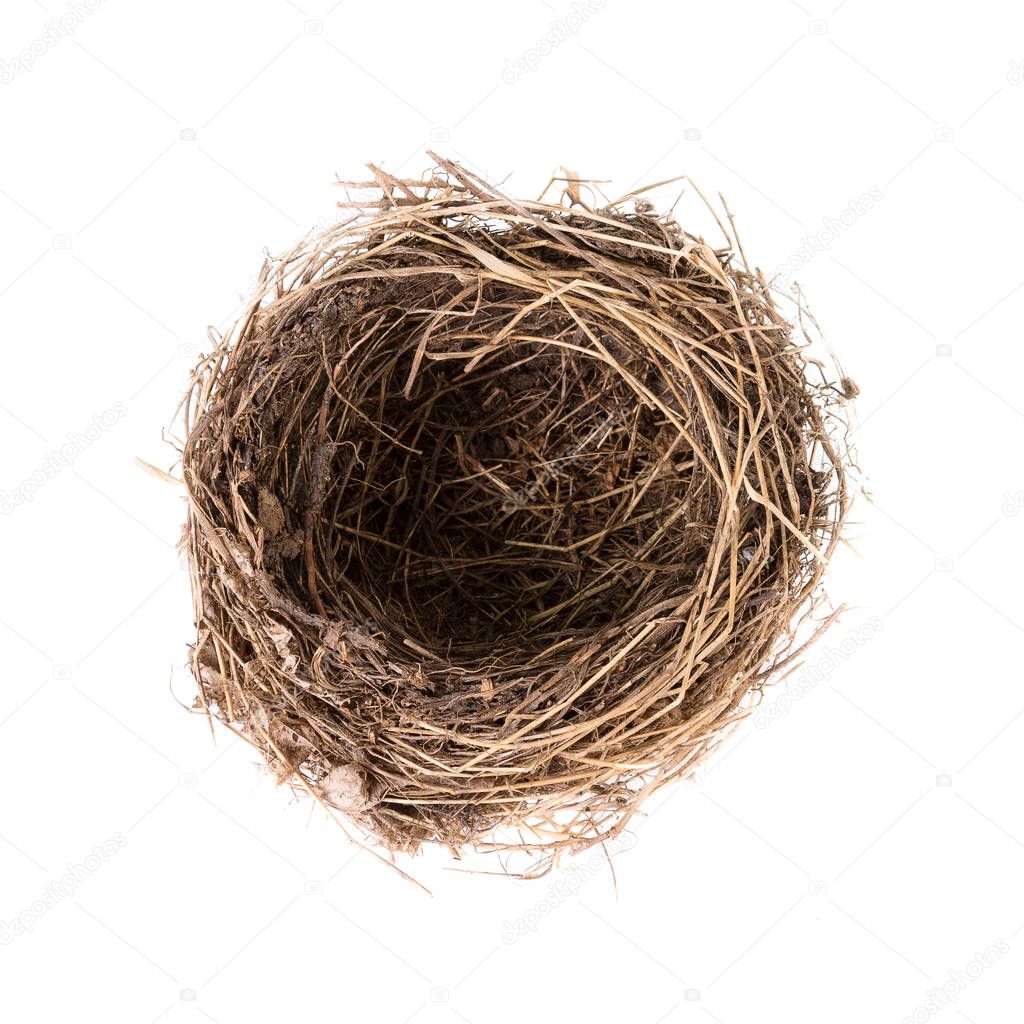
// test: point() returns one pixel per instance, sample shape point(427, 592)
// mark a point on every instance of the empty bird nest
point(501, 512)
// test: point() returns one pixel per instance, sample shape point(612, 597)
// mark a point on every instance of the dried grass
point(501, 512)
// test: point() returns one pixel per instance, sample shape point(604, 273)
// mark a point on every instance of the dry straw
point(501, 512)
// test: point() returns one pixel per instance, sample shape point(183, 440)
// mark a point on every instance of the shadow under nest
point(500, 511)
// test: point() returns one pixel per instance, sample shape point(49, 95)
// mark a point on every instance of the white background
point(835, 864)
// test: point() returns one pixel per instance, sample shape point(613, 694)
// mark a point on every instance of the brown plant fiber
point(501, 512)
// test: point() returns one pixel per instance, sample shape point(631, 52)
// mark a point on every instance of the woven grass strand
point(502, 512)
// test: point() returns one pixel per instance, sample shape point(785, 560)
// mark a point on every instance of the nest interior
point(500, 510)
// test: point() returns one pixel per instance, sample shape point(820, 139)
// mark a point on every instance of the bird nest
point(501, 512)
